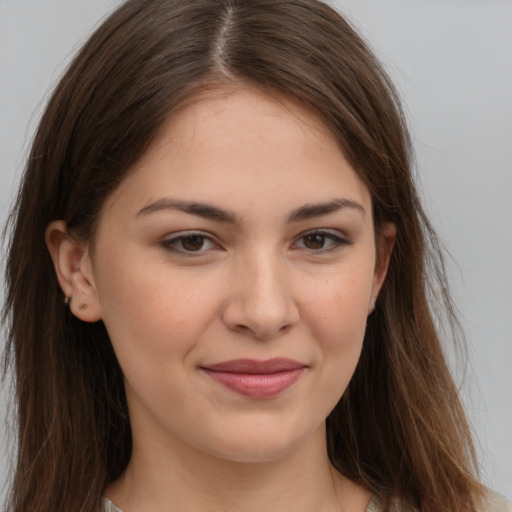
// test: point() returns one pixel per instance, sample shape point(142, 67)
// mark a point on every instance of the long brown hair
point(399, 429)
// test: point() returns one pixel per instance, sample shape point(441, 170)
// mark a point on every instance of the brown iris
point(314, 241)
point(192, 243)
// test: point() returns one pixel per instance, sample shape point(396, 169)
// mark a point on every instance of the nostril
point(241, 328)
point(285, 328)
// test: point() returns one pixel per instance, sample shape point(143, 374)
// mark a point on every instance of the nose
point(261, 302)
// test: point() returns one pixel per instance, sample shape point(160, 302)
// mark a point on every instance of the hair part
point(399, 429)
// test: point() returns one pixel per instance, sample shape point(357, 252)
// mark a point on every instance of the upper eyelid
point(197, 232)
point(180, 235)
point(184, 234)
point(335, 233)
point(327, 231)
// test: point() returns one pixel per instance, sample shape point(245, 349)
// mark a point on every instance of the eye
point(193, 242)
point(315, 241)
point(189, 243)
point(320, 241)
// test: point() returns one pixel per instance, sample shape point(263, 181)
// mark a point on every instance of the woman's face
point(234, 269)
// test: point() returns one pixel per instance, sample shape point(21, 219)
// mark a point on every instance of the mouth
point(256, 379)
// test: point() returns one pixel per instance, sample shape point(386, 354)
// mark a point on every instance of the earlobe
point(72, 264)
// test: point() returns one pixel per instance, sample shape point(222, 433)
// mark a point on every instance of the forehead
point(242, 145)
point(219, 116)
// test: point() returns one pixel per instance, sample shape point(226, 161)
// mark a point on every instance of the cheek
point(337, 312)
point(154, 326)
point(337, 316)
point(153, 314)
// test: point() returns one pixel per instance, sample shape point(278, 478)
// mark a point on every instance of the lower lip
point(258, 385)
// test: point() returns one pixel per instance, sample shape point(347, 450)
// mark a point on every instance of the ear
point(73, 267)
point(385, 241)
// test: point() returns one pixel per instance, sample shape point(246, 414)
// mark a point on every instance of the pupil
point(314, 241)
point(193, 243)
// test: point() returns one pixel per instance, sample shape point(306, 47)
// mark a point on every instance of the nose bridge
point(262, 299)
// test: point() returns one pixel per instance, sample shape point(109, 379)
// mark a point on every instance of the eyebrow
point(208, 211)
point(309, 211)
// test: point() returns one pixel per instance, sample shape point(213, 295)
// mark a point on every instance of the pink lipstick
point(256, 379)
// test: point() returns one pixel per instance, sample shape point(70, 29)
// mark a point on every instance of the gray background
point(451, 60)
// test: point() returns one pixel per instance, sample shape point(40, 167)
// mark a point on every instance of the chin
point(263, 445)
point(254, 454)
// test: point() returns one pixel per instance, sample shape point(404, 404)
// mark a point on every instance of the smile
point(256, 379)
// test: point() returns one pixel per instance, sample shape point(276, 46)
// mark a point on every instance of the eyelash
point(336, 240)
point(171, 244)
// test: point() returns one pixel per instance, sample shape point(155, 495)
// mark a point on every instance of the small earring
point(67, 300)
point(82, 307)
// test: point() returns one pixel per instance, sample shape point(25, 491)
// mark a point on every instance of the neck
point(192, 481)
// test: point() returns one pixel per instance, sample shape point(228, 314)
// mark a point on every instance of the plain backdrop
point(452, 63)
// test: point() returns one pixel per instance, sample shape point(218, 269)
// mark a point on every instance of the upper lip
point(254, 366)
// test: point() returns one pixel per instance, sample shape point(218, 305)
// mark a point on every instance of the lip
point(254, 378)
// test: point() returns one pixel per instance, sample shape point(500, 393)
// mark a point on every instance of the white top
point(494, 502)
point(108, 506)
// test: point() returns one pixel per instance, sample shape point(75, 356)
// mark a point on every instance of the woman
point(219, 219)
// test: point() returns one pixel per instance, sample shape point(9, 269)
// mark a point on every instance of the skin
point(270, 277)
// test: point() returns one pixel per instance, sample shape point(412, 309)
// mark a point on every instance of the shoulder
point(108, 506)
point(491, 502)
point(494, 502)
point(375, 505)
